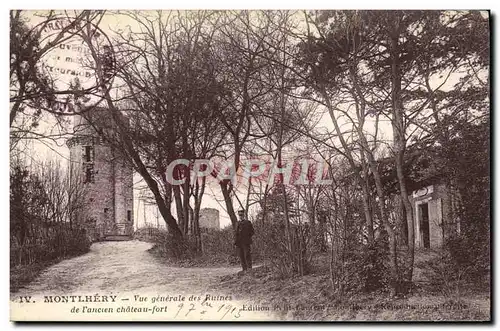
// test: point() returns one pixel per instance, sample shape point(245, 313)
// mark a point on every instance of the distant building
point(209, 218)
point(106, 178)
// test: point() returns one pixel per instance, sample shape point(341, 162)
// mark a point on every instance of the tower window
point(129, 216)
point(89, 174)
point(88, 153)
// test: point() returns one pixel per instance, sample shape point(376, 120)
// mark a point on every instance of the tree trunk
point(200, 190)
point(402, 220)
point(185, 212)
point(399, 147)
point(178, 205)
point(229, 204)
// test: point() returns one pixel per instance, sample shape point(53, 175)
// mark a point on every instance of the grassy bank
point(309, 298)
point(22, 275)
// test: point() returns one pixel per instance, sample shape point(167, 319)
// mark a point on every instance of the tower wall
point(123, 198)
point(106, 206)
point(209, 218)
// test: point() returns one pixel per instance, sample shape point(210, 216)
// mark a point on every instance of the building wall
point(209, 218)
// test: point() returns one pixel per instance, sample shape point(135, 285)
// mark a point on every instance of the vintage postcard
point(250, 165)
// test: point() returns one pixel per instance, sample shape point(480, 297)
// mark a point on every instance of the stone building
point(209, 218)
point(432, 205)
point(106, 179)
point(432, 223)
point(433, 202)
point(427, 205)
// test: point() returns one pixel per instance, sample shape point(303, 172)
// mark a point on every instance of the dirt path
point(122, 266)
point(127, 269)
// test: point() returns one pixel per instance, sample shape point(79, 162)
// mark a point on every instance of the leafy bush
point(372, 267)
point(149, 234)
point(47, 243)
point(363, 268)
point(172, 248)
point(41, 208)
point(462, 263)
point(217, 247)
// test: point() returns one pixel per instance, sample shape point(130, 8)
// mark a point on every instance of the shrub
point(463, 262)
point(150, 234)
point(287, 256)
point(363, 268)
point(372, 267)
point(49, 242)
point(218, 246)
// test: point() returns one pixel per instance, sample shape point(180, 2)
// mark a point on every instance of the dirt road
point(127, 270)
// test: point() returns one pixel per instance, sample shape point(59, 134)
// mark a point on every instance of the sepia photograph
point(250, 165)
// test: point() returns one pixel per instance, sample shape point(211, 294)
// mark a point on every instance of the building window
point(129, 216)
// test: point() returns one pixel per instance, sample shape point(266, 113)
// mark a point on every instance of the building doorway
point(424, 224)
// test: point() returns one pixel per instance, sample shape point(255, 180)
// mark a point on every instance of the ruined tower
point(209, 218)
point(104, 179)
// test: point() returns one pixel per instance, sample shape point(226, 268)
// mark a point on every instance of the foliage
point(360, 268)
point(173, 249)
point(217, 247)
point(460, 266)
point(27, 81)
point(372, 266)
point(37, 233)
point(464, 161)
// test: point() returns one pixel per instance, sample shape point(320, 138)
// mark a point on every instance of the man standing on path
point(244, 233)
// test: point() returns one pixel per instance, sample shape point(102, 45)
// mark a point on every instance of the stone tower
point(104, 178)
point(209, 218)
